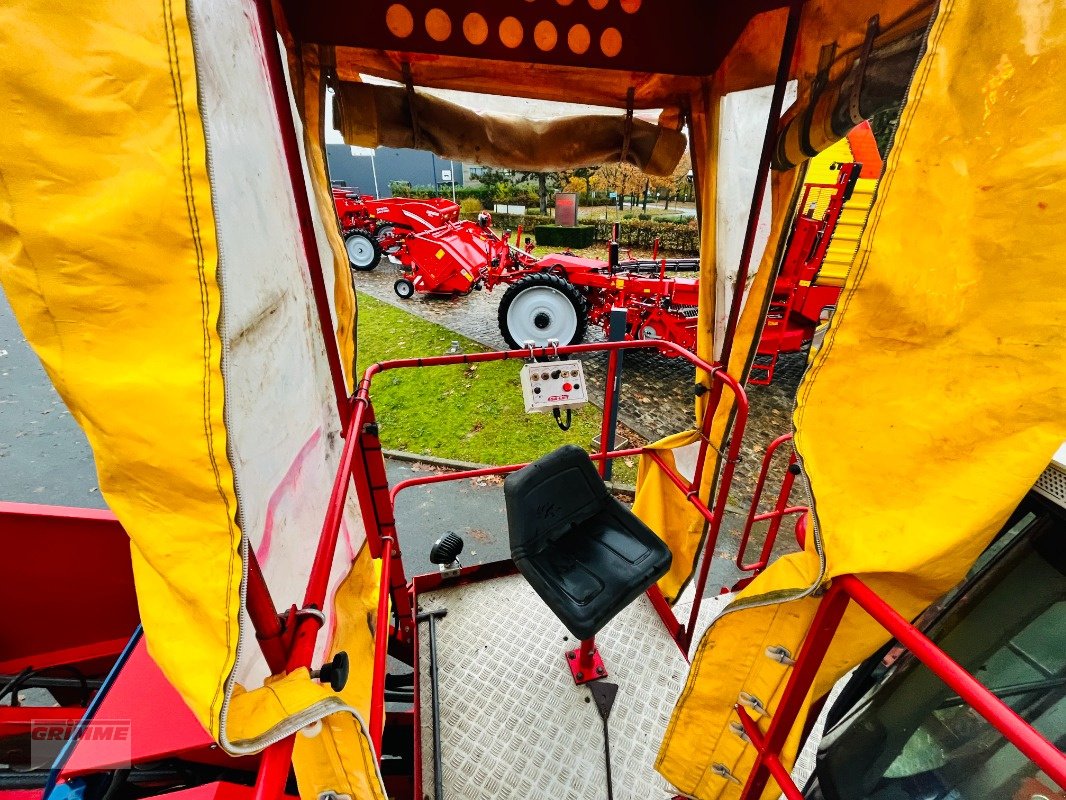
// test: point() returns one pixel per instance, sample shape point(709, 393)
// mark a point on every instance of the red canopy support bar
point(381, 647)
point(843, 590)
point(294, 163)
point(815, 644)
point(788, 49)
point(1003, 718)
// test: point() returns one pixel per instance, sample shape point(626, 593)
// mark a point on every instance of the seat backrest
point(549, 497)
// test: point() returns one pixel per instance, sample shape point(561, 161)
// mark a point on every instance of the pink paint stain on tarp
point(286, 490)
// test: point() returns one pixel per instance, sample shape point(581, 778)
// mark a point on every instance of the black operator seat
point(585, 554)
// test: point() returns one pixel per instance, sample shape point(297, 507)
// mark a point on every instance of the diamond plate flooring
point(514, 725)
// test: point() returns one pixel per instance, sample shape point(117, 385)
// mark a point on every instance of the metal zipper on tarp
point(223, 333)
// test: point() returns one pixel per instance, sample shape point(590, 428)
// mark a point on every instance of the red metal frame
point(780, 511)
point(797, 302)
point(784, 64)
point(844, 590)
point(279, 90)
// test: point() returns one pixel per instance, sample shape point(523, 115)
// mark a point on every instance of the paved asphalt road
point(44, 457)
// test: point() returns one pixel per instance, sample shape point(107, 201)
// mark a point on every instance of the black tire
point(364, 252)
point(404, 289)
point(551, 317)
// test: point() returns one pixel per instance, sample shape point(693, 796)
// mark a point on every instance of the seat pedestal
point(585, 663)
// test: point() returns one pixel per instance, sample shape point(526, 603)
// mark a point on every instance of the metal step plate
point(513, 724)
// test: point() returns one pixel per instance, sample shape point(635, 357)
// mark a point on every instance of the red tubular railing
point(844, 590)
point(781, 508)
point(381, 647)
point(482, 472)
point(690, 489)
point(998, 714)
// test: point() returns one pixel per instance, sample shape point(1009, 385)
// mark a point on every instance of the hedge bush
point(577, 236)
point(470, 205)
point(510, 222)
point(680, 239)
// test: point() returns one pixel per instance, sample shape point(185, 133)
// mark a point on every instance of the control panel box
point(553, 384)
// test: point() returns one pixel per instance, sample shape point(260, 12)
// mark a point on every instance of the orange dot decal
point(475, 29)
point(630, 6)
point(438, 24)
point(545, 36)
point(564, 2)
point(399, 21)
point(579, 39)
point(611, 42)
point(598, 5)
point(511, 32)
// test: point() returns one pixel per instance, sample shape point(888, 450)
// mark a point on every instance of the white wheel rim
point(540, 313)
point(360, 250)
point(406, 290)
point(383, 232)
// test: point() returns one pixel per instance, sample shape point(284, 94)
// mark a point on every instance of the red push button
point(567, 387)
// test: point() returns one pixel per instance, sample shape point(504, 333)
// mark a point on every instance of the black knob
point(794, 469)
point(446, 549)
point(335, 672)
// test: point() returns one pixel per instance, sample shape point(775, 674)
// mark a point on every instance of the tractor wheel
point(403, 288)
point(384, 232)
point(363, 250)
point(542, 307)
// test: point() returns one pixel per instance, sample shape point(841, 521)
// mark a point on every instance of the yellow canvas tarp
point(112, 221)
point(938, 396)
point(103, 181)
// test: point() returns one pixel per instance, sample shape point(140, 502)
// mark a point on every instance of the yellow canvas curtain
point(938, 396)
point(658, 501)
point(110, 257)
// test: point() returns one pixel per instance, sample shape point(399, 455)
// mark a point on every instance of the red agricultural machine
point(559, 295)
point(372, 226)
point(555, 297)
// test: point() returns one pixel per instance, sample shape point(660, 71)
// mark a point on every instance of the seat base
point(587, 669)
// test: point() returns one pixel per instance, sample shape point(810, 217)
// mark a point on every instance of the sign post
point(566, 208)
point(447, 176)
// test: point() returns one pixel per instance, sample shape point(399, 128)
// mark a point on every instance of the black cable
point(13, 685)
point(559, 419)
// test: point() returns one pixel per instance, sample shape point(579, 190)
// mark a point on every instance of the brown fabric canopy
point(375, 116)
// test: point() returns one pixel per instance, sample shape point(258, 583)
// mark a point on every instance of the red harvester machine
point(559, 295)
point(554, 297)
point(371, 226)
point(798, 303)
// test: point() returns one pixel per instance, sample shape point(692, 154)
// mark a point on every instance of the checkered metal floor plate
point(513, 724)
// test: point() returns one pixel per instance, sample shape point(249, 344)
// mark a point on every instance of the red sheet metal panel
point(74, 577)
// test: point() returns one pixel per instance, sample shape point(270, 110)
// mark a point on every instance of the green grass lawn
point(468, 412)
